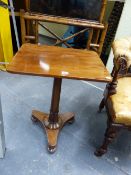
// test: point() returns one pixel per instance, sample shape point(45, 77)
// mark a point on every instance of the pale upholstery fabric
point(122, 47)
point(119, 104)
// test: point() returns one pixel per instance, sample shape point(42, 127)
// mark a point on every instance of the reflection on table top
point(52, 61)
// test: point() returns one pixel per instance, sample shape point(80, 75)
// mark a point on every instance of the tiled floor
point(26, 142)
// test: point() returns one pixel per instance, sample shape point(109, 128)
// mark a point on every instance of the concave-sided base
point(52, 132)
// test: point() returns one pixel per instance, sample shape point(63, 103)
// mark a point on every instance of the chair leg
point(102, 104)
point(110, 134)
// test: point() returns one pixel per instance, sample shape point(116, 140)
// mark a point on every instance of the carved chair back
point(122, 64)
point(117, 94)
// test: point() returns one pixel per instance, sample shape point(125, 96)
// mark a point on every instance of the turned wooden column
point(53, 122)
point(53, 116)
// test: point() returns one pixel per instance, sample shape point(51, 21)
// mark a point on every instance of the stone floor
point(26, 149)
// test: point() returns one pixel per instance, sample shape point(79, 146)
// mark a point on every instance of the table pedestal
point(53, 122)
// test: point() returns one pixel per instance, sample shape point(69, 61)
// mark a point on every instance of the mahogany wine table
point(57, 62)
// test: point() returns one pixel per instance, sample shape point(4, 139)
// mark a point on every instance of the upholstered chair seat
point(117, 95)
point(119, 104)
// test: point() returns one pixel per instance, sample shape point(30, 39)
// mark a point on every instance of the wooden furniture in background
point(94, 42)
point(96, 29)
point(78, 9)
point(59, 63)
point(117, 95)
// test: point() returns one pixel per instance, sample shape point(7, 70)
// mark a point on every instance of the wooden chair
point(117, 95)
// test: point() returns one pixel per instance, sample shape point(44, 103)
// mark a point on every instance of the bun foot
point(71, 121)
point(99, 110)
point(34, 119)
point(100, 152)
point(51, 149)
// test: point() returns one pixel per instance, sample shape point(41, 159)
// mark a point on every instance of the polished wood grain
point(52, 61)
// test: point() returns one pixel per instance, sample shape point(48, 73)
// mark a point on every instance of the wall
point(124, 29)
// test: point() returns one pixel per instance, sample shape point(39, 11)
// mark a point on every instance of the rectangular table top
point(52, 61)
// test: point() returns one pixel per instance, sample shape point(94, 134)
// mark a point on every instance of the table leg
point(53, 122)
